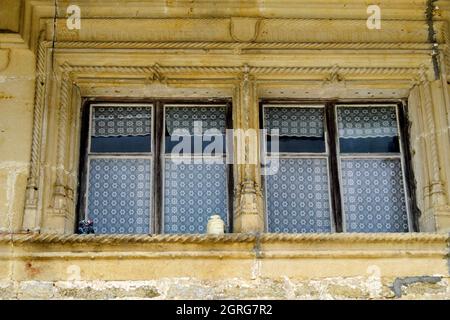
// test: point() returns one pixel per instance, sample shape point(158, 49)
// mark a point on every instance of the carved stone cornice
point(256, 29)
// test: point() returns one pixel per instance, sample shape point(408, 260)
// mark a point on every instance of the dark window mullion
point(84, 154)
point(330, 117)
point(408, 168)
point(157, 144)
point(230, 173)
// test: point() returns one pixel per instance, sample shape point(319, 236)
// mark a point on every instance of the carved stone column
point(249, 212)
point(30, 219)
point(60, 218)
point(436, 212)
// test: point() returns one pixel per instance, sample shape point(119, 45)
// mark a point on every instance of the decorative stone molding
point(244, 29)
point(242, 46)
point(32, 190)
point(48, 257)
point(319, 238)
point(259, 72)
point(250, 212)
point(235, 37)
point(428, 154)
point(436, 183)
point(249, 206)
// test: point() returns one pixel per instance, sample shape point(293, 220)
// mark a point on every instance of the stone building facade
point(248, 57)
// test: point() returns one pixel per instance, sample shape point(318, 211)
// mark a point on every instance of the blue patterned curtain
point(298, 199)
point(184, 118)
point(374, 198)
point(121, 121)
point(193, 193)
point(367, 122)
point(119, 195)
point(295, 121)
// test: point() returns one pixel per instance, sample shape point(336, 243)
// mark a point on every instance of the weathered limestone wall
point(17, 66)
point(235, 266)
point(262, 288)
point(243, 50)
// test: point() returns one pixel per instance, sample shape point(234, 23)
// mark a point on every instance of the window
point(158, 167)
point(297, 192)
point(195, 177)
point(335, 167)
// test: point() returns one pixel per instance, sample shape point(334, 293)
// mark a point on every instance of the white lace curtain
point(367, 122)
point(294, 121)
point(121, 121)
point(186, 117)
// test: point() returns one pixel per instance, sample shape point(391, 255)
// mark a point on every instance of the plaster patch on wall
point(256, 268)
point(374, 285)
point(289, 287)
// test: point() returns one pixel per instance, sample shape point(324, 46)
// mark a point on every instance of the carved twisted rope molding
point(446, 49)
point(227, 238)
point(254, 70)
point(239, 45)
point(32, 187)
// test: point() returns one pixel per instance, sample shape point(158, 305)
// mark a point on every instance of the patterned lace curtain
point(294, 121)
point(366, 122)
point(119, 196)
point(193, 193)
point(185, 118)
point(121, 121)
point(298, 199)
point(374, 197)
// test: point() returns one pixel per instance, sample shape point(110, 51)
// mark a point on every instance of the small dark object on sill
point(86, 227)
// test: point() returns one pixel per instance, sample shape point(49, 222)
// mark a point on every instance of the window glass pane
point(300, 129)
point(374, 198)
point(185, 127)
point(121, 129)
point(298, 197)
point(368, 129)
point(119, 195)
point(193, 193)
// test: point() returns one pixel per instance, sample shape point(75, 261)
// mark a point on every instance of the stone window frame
point(50, 192)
